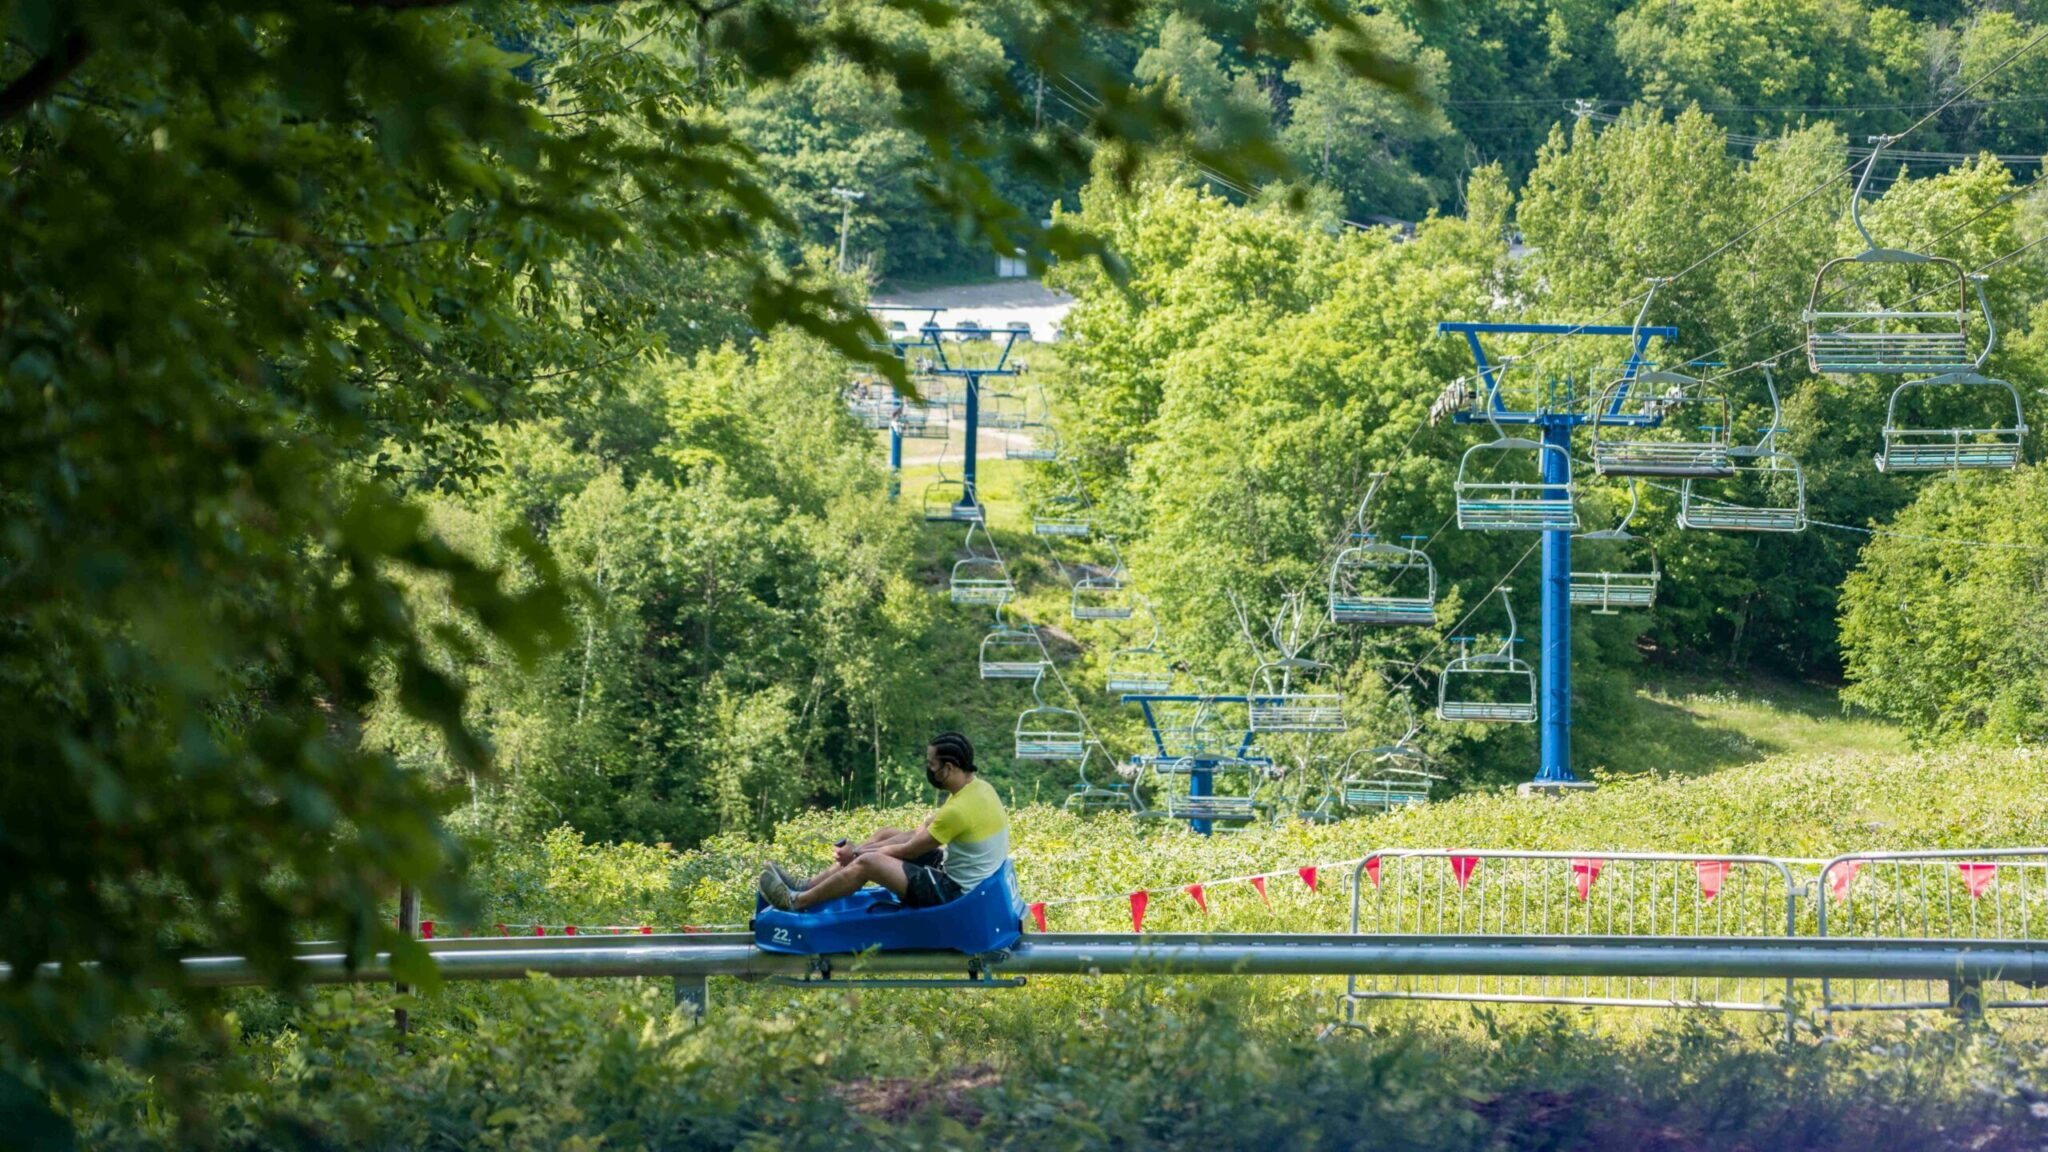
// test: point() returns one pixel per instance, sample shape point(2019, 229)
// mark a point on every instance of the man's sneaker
point(794, 884)
point(775, 891)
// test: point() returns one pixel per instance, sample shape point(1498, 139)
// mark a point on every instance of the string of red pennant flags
point(1140, 899)
point(1712, 875)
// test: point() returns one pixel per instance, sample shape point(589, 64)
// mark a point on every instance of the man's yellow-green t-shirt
point(976, 832)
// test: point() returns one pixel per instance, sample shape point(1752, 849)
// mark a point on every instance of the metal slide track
point(695, 956)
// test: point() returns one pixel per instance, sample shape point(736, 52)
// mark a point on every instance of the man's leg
point(867, 868)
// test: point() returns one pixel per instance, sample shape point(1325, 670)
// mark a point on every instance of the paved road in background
point(994, 305)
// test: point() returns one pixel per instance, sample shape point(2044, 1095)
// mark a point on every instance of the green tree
point(1945, 620)
point(1369, 143)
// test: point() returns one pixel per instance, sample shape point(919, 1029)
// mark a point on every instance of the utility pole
point(846, 198)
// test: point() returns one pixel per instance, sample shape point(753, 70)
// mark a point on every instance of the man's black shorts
point(929, 884)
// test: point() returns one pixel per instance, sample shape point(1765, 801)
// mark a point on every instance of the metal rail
point(695, 957)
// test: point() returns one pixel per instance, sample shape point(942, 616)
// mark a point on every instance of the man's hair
point(953, 748)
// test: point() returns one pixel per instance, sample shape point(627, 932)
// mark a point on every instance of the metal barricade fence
point(1565, 894)
point(1955, 894)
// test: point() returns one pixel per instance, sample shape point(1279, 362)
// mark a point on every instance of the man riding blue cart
point(946, 884)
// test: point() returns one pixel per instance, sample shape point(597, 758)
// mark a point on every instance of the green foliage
point(1947, 640)
point(274, 268)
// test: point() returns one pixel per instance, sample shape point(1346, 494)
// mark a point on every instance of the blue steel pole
point(895, 459)
point(1556, 697)
point(1201, 782)
point(971, 496)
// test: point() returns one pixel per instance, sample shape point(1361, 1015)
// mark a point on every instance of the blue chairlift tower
point(1555, 411)
point(955, 365)
point(1202, 758)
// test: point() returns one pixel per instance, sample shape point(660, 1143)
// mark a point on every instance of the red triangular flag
point(1138, 901)
point(1977, 877)
point(1201, 901)
point(1372, 870)
point(1462, 868)
point(1308, 876)
point(569, 931)
point(647, 929)
point(1038, 915)
point(426, 929)
point(1259, 882)
point(1585, 870)
point(1841, 875)
point(502, 931)
point(540, 929)
point(1712, 873)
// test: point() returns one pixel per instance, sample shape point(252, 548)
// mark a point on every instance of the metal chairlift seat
point(1916, 449)
point(1512, 698)
point(874, 405)
point(1089, 797)
point(981, 580)
point(1003, 410)
point(1143, 670)
point(923, 422)
point(1387, 788)
point(1701, 510)
point(1043, 447)
point(1606, 591)
point(1049, 733)
point(1071, 526)
point(1876, 329)
point(1276, 706)
point(1488, 505)
point(951, 501)
point(1177, 800)
point(1103, 598)
point(1364, 580)
point(1667, 401)
point(1012, 653)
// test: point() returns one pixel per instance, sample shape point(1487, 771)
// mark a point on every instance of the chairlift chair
point(1489, 505)
point(1089, 797)
point(1874, 328)
point(1045, 732)
point(981, 580)
point(1142, 669)
point(1003, 410)
point(1392, 777)
point(923, 422)
point(1927, 449)
point(1102, 598)
point(1077, 527)
point(1042, 447)
point(1607, 591)
point(1172, 786)
point(951, 501)
point(1777, 473)
point(1495, 687)
point(1276, 705)
point(1673, 403)
point(1076, 523)
point(1368, 581)
point(1013, 652)
point(873, 404)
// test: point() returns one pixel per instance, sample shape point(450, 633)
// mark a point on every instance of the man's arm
point(913, 844)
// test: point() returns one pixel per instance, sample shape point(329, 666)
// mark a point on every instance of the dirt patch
point(896, 1098)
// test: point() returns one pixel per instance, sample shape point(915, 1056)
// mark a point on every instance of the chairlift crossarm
point(1495, 411)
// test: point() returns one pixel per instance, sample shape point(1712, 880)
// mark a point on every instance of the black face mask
point(931, 777)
